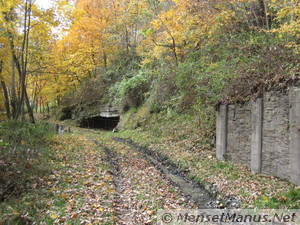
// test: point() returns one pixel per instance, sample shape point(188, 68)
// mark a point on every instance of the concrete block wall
point(263, 134)
point(275, 155)
point(238, 136)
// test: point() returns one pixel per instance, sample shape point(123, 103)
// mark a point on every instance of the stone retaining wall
point(275, 155)
point(238, 137)
point(263, 134)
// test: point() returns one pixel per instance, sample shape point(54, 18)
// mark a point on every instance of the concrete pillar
point(294, 114)
point(221, 131)
point(256, 137)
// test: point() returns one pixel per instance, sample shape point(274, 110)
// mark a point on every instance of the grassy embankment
point(51, 179)
point(79, 186)
point(54, 179)
point(189, 144)
point(24, 159)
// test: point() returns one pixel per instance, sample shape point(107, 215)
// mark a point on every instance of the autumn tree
point(184, 50)
point(19, 20)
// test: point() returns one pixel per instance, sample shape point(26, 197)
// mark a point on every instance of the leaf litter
point(85, 187)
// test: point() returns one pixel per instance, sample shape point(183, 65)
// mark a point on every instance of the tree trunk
point(48, 108)
point(29, 108)
point(104, 59)
point(6, 99)
point(36, 105)
point(5, 93)
point(21, 65)
point(13, 99)
point(41, 102)
point(263, 17)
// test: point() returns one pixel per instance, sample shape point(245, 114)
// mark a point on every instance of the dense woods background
point(166, 64)
point(179, 55)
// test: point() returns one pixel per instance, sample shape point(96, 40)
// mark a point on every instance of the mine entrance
point(105, 123)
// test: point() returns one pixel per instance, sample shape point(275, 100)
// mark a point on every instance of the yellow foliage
point(94, 32)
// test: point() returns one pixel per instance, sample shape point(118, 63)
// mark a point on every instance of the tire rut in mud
point(118, 180)
point(190, 189)
point(141, 188)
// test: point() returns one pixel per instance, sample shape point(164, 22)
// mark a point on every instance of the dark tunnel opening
point(105, 123)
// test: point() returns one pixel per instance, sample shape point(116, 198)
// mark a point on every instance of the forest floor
point(96, 180)
point(104, 178)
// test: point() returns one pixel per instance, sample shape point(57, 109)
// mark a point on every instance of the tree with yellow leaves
point(23, 28)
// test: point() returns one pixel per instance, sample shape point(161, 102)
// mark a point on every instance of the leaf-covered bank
point(24, 156)
point(94, 180)
point(182, 142)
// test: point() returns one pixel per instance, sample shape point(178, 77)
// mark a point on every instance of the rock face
point(101, 117)
point(105, 111)
point(263, 134)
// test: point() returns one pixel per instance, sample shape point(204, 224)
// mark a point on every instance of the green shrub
point(16, 132)
point(135, 118)
point(24, 156)
point(131, 91)
point(200, 81)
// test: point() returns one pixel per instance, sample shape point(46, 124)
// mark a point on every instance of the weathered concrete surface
point(275, 154)
point(256, 137)
point(239, 133)
point(294, 116)
point(263, 134)
point(59, 128)
point(109, 112)
point(62, 129)
point(102, 111)
point(221, 131)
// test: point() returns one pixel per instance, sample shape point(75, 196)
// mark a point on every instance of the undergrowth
point(24, 157)
point(171, 125)
point(288, 199)
point(190, 145)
